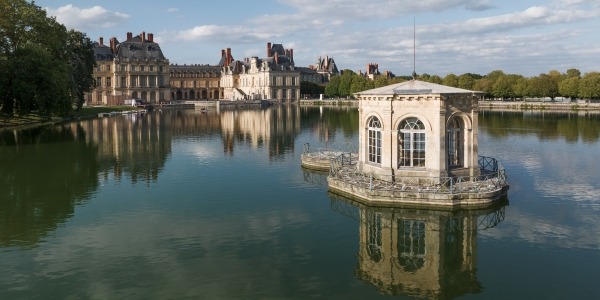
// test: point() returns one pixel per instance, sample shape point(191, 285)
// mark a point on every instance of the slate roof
point(414, 87)
point(195, 68)
point(136, 48)
point(102, 52)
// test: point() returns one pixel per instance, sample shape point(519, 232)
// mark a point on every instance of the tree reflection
point(44, 173)
point(571, 126)
point(418, 252)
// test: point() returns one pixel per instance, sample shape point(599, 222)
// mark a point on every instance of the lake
point(181, 204)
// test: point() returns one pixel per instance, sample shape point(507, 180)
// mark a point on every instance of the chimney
point(129, 35)
point(151, 37)
point(101, 41)
point(368, 69)
point(269, 49)
point(276, 58)
point(292, 55)
point(228, 58)
point(143, 36)
point(222, 53)
point(113, 44)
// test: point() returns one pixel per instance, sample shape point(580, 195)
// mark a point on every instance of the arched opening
point(153, 96)
point(411, 143)
point(134, 95)
point(374, 140)
point(455, 143)
point(144, 96)
point(204, 94)
point(179, 96)
point(192, 95)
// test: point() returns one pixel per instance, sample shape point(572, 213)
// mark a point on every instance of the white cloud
point(172, 10)
point(87, 18)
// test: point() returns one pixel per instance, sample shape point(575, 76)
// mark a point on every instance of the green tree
point(331, 89)
point(569, 87)
point(451, 80)
point(82, 62)
point(589, 86)
point(43, 67)
point(573, 73)
point(466, 81)
point(345, 82)
point(311, 88)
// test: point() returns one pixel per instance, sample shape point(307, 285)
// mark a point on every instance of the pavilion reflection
point(419, 252)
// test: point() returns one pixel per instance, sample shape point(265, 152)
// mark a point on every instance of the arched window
point(455, 143)
point(411, 139)
point(374, 142)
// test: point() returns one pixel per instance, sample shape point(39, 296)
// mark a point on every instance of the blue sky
point(525, 37)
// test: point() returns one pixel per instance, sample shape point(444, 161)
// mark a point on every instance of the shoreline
point(31, 120)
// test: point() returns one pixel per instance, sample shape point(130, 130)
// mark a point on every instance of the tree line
point(44, 68)
point(496, 84)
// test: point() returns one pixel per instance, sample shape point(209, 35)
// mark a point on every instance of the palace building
point(195, 82)
point(133, 69)
point(273, 77)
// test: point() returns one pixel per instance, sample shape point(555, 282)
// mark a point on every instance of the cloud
point(172, 10)
point(379, 8)
point(87, 18)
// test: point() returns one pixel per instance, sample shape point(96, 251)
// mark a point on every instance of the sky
point(526, 37)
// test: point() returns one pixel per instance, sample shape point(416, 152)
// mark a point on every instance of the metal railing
point(492, 178)
point(331, 152)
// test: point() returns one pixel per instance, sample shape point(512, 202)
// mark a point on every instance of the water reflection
point(418, 252)
point(547, 125)
point(44, 173)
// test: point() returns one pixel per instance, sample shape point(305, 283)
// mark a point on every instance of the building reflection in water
point(419, 252)
point(136, 144)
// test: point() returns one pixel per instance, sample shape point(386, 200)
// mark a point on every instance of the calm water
point(181, 204)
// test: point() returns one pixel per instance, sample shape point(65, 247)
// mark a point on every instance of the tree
point(43, 67)
point(331, 89)
point(573, 73)
point(345, 82)
point(589, 86)
point(466, 81)
point(311, 88)
point(83, 62)
point(451, 80)
point(569, 87)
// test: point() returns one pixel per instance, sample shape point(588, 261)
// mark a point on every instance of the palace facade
point(133, 69)
point(195, 82)
point(137, 69)
point(272, 77)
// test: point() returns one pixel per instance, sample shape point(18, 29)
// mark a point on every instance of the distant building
point(326, 68)
point(272, 77)
point(133, 69)
point(195, 82)
point(372, 72)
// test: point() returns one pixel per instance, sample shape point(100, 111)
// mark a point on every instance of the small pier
point(472, 191)
point(319, 159)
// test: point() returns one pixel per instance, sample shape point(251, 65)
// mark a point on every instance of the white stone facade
point(418, 129)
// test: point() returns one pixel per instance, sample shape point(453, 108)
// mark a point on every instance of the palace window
point(455, 143)
point(374, 142)
point(108, 81)
point(98, 81)
point(411, 139)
